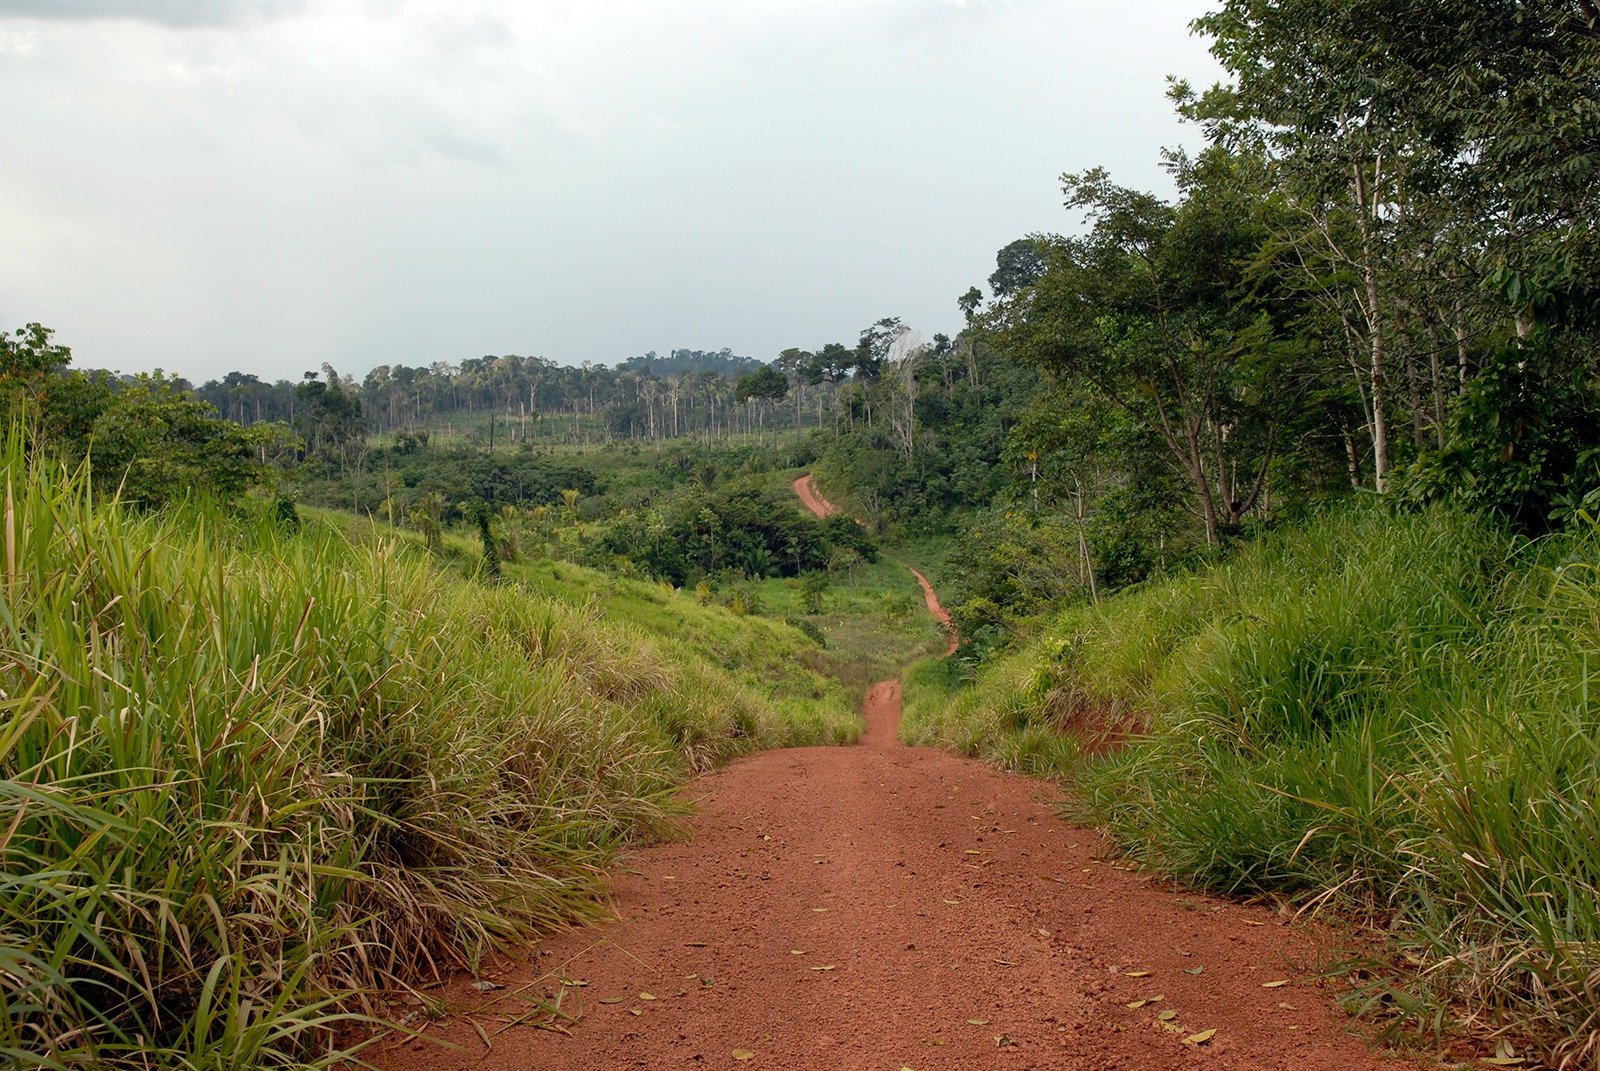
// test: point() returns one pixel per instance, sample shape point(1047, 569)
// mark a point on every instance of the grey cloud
point(178, 14)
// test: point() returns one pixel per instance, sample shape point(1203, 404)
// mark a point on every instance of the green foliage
point(966, 401)
point(1523, 441)
point(844, 533)
point(328, 419)
point(157, 444)
point(152, 441)
point(244, 770)
point(1013, 564)
point(753, 532)
point(765, 383)
point(1389, 711)
point(479, 512)
point(412, 469)
point(1151, 319)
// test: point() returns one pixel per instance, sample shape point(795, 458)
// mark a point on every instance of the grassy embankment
point(1390, 714)
point(245, 773)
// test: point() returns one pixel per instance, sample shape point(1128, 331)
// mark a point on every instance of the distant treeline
point(643, 396)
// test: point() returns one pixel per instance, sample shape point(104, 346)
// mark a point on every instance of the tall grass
point(246, 776)
point(1393, 714)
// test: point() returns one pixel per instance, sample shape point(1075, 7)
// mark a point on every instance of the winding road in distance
point(823, 508)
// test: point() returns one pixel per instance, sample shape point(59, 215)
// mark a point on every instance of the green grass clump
point(247, 775)
point(1389, 713)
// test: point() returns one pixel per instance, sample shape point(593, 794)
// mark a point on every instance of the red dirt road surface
point(814, 502)
point(882, 907)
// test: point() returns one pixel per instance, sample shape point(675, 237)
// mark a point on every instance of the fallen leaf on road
point(1505, 1055)
point(743, 1054)
point(1195, 970)
point(1006, 962)
point(829, 967)
point(796, 952)
point(1168, 1014)
point(1275, 985)
point(952, 901)
point(647, 996)
point(1137, 974)
point(610, 1000)
point(1200, 1038)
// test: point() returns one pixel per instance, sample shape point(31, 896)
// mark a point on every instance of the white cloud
point(175, 13)
point(377, 180)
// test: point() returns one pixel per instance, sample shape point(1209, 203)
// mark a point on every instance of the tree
point(1151, 313)
point(54, 405)
point(874, 345)
point(1018, 265)
point(766, 385)
point(795, 362)
point(1430, 150)
point(158, 444)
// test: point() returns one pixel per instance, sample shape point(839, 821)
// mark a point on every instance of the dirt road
point(884, 907)
point(890, 908)
point(823, 508)
point(814, 501)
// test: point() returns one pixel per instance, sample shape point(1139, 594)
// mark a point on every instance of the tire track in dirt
point(885, 907)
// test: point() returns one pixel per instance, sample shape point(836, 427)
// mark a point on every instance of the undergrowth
point(248, 775)
point(1388, 714)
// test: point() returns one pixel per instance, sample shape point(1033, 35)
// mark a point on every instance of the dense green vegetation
point(249, 769)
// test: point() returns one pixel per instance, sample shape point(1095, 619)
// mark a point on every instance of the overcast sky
point(265, 185)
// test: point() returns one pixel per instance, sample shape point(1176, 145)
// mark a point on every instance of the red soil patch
point(887, 907)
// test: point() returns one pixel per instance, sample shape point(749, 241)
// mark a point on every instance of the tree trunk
point(1373, 310)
